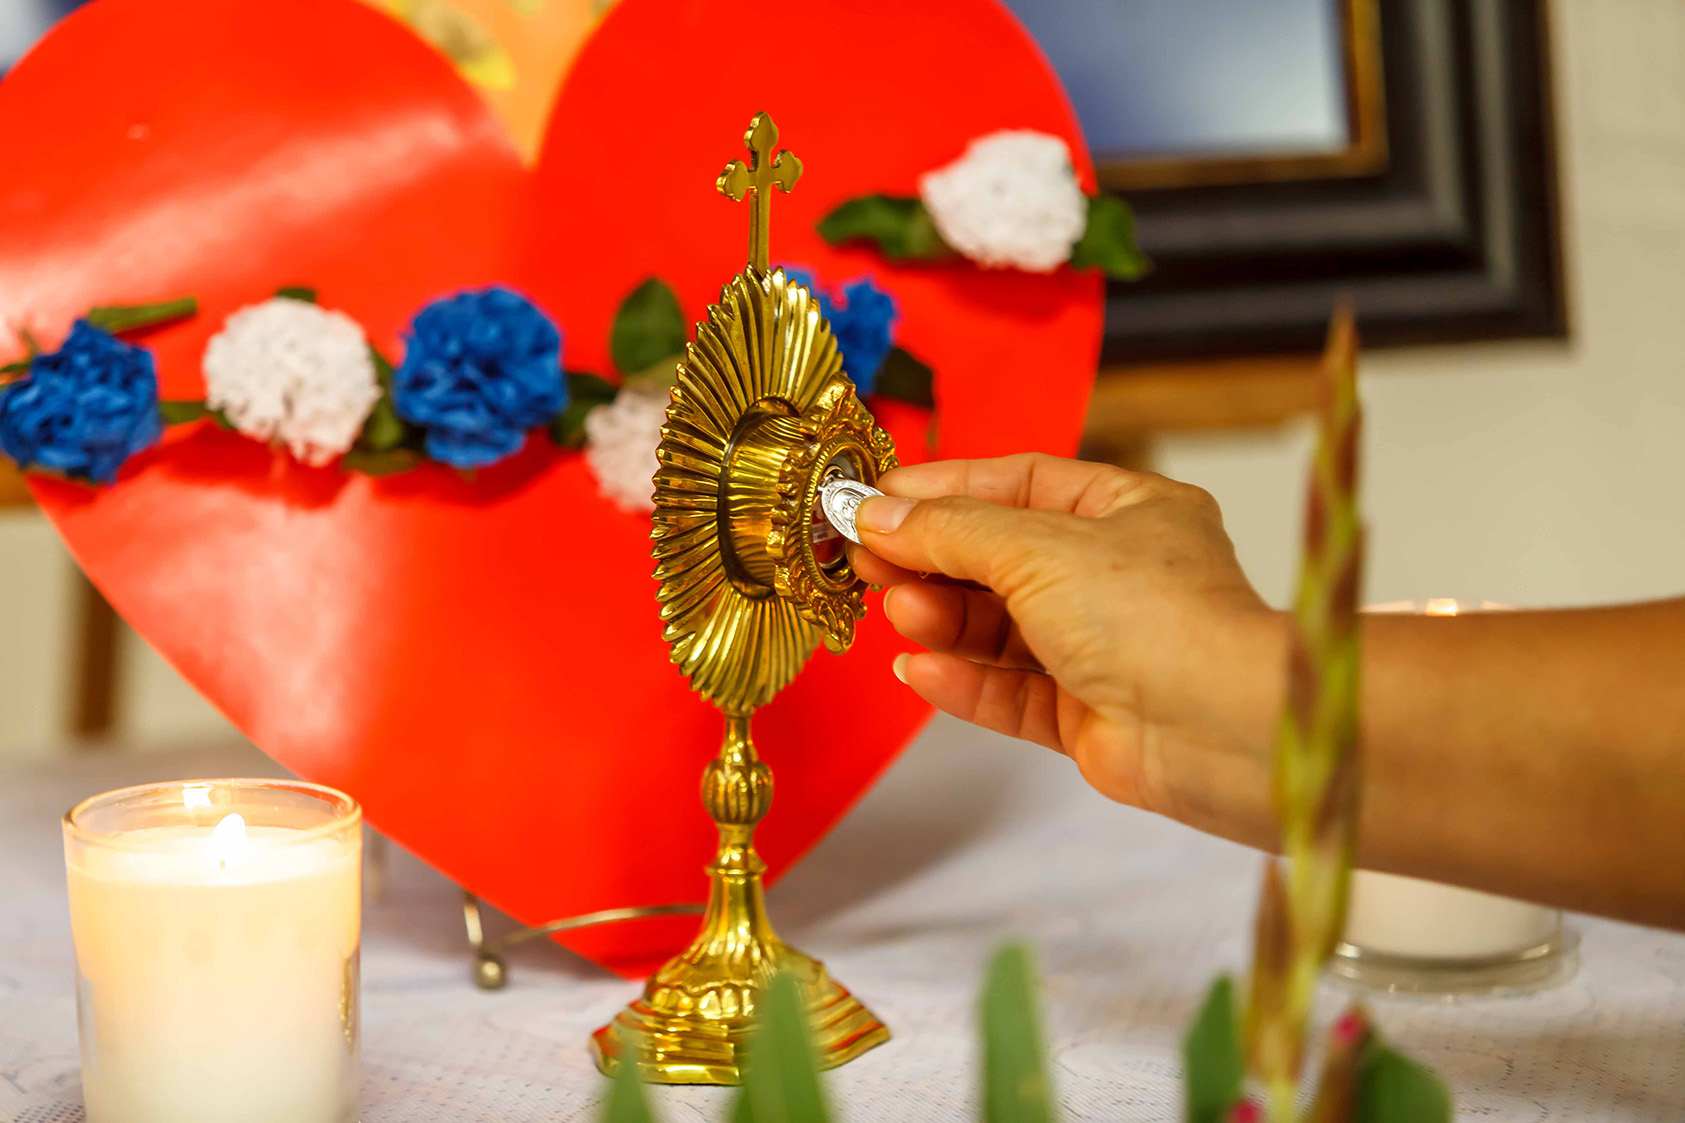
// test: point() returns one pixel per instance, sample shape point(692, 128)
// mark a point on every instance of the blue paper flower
point(84, 409)
point(865, 327)
point(863, 322)
point(480, 369)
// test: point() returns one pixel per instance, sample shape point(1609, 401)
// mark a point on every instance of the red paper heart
point(480, 662)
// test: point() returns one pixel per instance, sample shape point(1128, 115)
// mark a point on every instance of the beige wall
point(39, 599)
point(36, 595)
point(1524, 473)
point(1528, 473)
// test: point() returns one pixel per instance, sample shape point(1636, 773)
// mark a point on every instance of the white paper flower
point(289, 371)
point(620, 442)
point(1011, 201)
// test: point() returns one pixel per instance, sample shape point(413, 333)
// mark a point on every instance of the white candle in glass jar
point(1407, 917)
point(216, 927)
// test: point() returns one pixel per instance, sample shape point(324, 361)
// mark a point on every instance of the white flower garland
point(1011, 201)
point(289, 371)
point(620, 442)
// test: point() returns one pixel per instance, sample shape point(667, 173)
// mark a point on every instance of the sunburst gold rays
point(764, 339)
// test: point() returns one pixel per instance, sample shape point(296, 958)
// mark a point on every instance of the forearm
point(1536, 754)
point(1531, 754)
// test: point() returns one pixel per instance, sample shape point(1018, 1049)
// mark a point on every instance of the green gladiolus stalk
point(1302, 907)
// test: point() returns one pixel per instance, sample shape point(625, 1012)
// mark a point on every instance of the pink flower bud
point(1351, 1027)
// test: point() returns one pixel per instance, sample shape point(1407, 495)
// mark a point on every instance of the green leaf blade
point(656, 379)
point(906, 379)
point(585, 393)
point(1213, 1061)
point(383, 431)
point(120, 318)
point(1015, 1082)
point(387, 463)
point(180, 413)
point(781, 1076)
point(626, 1101)
point(649, 327)
point(1392, 1088)
point(900, 227)
point(297, 292)
point(1108, 241)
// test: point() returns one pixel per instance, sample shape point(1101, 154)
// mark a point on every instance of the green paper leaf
point(384, 430)
point(901, 228)
point(19, 367)
point(663, 375)
point(180, 413)
point(1213, 1063)
point(297, 292)
point(649, 327)
point(905, 379)
point(585, 393)
point(1108, 242)
point(626, 1101)
point(1392, 1088)
point(119, 318)
point(382, 369)
point(1015, 1084)
point(590, 388)
point(781, 1075)
point(381, 463)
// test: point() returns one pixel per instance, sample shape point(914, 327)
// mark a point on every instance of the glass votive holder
point(217, 926)
point(1420, 937)
point(1407, 935)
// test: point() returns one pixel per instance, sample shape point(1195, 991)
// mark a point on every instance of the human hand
point(1097, 611)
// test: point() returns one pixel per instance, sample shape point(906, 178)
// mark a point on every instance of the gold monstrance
point(752, 580)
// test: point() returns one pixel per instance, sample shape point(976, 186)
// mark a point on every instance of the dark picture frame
point(1453, 237)
point(1247, 159)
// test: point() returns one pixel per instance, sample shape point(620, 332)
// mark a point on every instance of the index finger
point(1031, 479)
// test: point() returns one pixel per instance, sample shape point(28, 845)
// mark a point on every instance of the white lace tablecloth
point(969, 840)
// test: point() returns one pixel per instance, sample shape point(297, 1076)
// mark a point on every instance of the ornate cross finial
point(755, 180)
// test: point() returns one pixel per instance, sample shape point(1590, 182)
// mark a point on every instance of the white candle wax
point(217, 973)
point(1403, 916)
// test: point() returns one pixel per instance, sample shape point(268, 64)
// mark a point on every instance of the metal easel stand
point(491, 971)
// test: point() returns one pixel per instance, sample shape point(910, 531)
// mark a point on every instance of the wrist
point(1218, 759)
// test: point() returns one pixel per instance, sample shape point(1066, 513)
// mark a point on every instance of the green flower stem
point(1303, 905)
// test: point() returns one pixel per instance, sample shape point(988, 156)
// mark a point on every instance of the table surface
point(969, 840)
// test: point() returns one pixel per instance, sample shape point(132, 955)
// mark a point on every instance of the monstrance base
point(690, 1042)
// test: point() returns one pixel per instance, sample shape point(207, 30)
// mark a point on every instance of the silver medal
point(840, 499)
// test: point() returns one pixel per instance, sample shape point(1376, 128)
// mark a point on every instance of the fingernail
point(881, 514)
point(900, 666)
point(887, 596)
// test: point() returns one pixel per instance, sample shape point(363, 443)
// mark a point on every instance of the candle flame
point(196, 795)
point(1441, 606)
point(228, 839)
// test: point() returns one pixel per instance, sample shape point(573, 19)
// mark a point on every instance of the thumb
point(956, 536)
